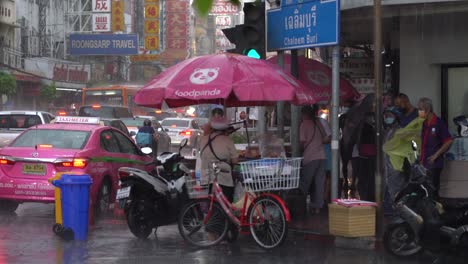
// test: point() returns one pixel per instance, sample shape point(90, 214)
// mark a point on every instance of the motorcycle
point(150, 200)
point(423, 222)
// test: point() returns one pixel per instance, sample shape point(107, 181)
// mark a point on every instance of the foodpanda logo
point(318, 77)
point(197, 93)
point(204, 76)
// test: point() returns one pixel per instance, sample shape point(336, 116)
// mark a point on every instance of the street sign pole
point(335, 103)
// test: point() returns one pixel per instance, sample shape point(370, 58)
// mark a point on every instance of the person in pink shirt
point(313, 166)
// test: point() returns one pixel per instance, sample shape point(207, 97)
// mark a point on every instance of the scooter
point(150, 200)
point(423, 222)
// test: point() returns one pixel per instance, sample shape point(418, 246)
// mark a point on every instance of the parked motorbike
point(150, 200)
point(423, 222)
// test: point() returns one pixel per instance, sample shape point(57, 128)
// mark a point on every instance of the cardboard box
point(356, 221)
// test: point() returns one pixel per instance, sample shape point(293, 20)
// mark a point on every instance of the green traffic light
point(253, 53)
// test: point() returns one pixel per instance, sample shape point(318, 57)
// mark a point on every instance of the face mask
point(389, 120)
point(422, 113)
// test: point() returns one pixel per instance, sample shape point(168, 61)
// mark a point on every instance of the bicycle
point(205, 220)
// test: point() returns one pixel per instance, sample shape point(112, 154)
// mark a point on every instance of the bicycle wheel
point(200, 226)
point(267, 222)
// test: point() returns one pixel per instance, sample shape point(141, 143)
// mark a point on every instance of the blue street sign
point(103, 44)
point(311, 23)
point(295, 2)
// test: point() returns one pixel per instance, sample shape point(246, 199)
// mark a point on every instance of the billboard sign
point(103, 44)
point(102, 22)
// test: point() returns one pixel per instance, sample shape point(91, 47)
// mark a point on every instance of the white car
point(180, 128)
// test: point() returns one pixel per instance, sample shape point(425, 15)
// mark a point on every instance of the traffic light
point(253, 30)
point(249, 37)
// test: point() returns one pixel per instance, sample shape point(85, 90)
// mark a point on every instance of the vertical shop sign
point(177, 21)
point(118, 20)
point(101, 22)
point(101, 5)
point(152, 25)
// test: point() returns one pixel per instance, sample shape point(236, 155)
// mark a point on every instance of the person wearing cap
point(217, 146)
point(206, 128)
point(215, 113)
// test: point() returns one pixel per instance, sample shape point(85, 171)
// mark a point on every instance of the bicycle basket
point(271, 174)
point(194, 189)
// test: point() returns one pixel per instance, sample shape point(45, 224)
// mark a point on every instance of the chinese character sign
point(118, 20)
point(101, 5)
point(101, 22)
point(152, 11)
point(152, 27)
point(152, 43)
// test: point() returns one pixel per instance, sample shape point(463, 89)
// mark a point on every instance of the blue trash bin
point(75, 203)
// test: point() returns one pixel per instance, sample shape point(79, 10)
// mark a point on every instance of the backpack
point(143, 139)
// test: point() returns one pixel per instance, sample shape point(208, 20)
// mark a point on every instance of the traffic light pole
point(335, 103)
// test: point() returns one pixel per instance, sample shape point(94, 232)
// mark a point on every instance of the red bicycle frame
point(218, 196)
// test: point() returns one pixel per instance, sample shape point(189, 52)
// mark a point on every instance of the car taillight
point(6, 160)
point(72, 163)
point(62, 113)
point(185, 133)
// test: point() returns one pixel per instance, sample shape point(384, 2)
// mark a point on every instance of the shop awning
point(24, 77)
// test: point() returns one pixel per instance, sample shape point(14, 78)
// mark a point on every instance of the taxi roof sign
point(78, 120)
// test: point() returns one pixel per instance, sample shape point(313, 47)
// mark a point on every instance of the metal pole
point(280, 105)
point(261, 124)
point(295, 111)
point(335, 103)
point(378, 111)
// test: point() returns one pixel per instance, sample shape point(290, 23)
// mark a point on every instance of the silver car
point(180, 128)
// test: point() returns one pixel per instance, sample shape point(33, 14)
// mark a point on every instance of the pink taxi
point(71, 144)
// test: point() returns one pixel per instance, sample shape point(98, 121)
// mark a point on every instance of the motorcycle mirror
point(146, 150)
point(414, 145)
point(183, 143)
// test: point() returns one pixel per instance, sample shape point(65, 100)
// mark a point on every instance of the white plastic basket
point(194, 189)
point(271, 174)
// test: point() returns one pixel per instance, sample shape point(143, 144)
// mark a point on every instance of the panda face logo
point(204, 76)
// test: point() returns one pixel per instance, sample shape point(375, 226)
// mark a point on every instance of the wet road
point(27, 237)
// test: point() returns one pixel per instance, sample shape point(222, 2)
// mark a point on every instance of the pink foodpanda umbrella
point(227, 79)
point(317, 77)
